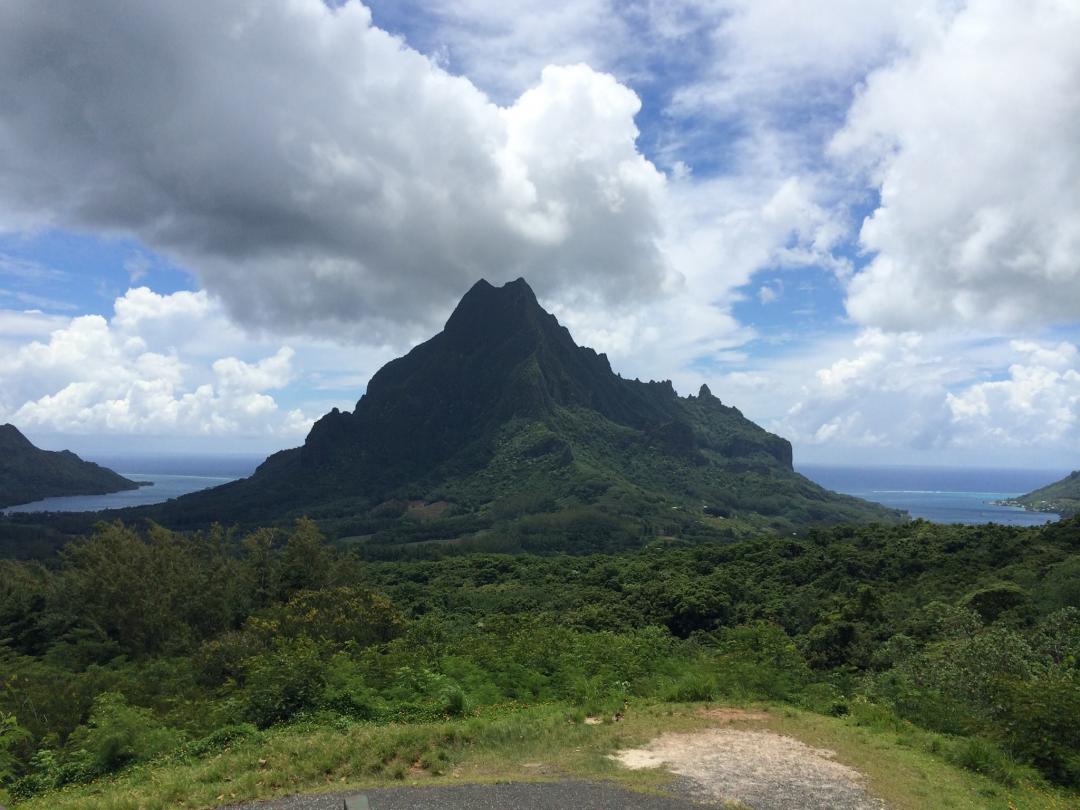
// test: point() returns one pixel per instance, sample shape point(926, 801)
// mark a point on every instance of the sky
point(856, 220)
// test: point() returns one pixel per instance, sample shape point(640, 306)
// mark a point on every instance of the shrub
point(116, 735)
point(759, 660)
point(690, 686)
point(980, 756)
point(11, 735)
point(222, 659)
point(283, 682)
point(346, 692)
point(338, 616)
point(1039, 723)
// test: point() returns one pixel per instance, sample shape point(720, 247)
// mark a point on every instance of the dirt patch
point(418, 771)
point(422, 510)
point(754, 769)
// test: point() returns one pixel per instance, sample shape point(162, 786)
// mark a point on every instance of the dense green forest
point(135, 645)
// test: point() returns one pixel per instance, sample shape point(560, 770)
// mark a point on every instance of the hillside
point(502, 422)
point(28, 473)
point(299, 667)
point(1060, 498)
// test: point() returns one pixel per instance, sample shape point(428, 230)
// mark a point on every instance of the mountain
point(1061, 497)
point(501, 431)
point(30, 474)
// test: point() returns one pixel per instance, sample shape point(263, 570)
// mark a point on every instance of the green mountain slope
point(1061, 497)
point(501, 430)
point(30, 474)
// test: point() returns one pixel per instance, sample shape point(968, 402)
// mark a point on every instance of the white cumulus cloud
point(1037, 403)
point(971, 140)
point(313, 171)
point(143, 372)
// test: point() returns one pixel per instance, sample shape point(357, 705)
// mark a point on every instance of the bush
point(222, 659)
point(760, 661)
point(338, 616)
point(346, 692)
point(11, 735)
point(980, 756)
point(1040, 723)
point(283, 682)
point(116, 735)
point(420, 694)
point(693, 685)
point(995, 600)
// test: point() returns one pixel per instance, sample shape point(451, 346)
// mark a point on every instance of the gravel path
point(756, 769)
point(575, 795)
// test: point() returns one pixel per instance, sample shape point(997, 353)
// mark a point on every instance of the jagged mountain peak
point(503, 401)
point(502, 356)
point(487, 316)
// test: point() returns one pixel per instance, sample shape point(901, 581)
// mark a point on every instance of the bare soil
point(753, 768)
point(422, 510)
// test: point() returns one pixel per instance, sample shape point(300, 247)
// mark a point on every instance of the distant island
point(1059, 498)
point(28, 473)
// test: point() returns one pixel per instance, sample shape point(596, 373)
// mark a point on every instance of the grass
point(913, 769)
point(535, 743)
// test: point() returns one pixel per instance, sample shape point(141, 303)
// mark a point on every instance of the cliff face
point(502, 357)
point(30, 474)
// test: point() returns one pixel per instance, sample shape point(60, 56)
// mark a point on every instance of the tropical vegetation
point(138, 646)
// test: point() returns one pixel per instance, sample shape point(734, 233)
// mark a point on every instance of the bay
point(940, 494)
point(170, 476)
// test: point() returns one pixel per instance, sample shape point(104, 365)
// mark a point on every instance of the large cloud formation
point(972, 141)
point(321, 177)
point(311, 169)
point(907, 397)
point(155, 367)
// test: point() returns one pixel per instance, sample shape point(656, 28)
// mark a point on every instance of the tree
point(305, 560)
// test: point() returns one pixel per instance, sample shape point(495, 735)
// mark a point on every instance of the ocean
point(171, 477)
point(939, 494)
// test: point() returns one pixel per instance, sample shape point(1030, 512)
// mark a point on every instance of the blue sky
point(218, 219)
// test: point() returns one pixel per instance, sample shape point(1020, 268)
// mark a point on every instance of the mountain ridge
point(29, 474)
point(503, 406)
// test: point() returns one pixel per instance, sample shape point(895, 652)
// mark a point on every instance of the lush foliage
point(138, 645)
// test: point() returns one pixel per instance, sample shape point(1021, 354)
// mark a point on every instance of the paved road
point(571, 795)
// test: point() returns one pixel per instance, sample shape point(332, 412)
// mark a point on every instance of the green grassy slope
point(1061, 497)
point(903, 768)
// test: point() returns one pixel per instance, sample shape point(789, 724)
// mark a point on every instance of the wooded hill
point(29, 474)
point(1060, 498)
